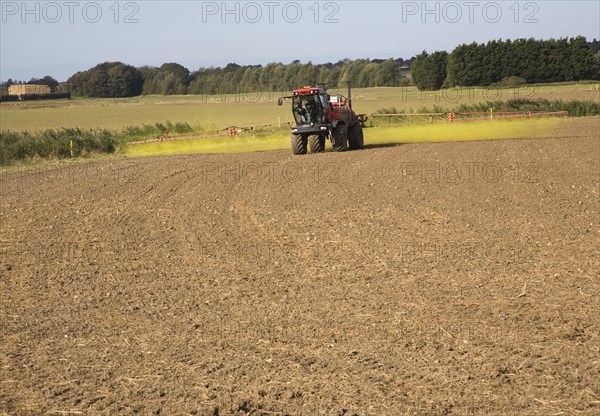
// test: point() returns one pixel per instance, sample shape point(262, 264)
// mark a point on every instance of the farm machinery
point(319, 116)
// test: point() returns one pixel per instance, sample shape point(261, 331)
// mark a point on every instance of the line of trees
point(115, 79)
point(109, 79)
point(496, 63)
point(507, 63)
point(279, 77)
point(429, 71)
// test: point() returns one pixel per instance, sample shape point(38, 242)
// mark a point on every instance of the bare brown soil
point(430, 279)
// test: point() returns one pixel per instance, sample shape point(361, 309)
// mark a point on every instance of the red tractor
point(319, 115)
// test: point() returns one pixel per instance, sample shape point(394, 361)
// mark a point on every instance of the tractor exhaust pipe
point(350, 94)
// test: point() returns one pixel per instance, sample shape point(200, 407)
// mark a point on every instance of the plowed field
point(423, 279)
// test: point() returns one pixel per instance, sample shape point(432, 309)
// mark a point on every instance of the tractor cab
point(309, 105)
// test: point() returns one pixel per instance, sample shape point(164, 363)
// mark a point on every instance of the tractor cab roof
point(308, 91)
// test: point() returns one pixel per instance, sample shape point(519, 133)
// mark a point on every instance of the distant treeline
point(173, 78)
point(115, 79)
point(508, 63)
point(497, 63)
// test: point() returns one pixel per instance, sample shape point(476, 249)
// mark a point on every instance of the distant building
point(23, 89)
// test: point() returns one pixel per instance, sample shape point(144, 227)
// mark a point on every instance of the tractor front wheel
point(356, 138)
point(316, 143)
point(339, 138)
point(299, 144)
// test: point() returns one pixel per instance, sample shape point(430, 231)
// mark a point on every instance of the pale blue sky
point(65, 36)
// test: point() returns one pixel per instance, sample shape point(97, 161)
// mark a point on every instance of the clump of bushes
point(390, 110)
point(157, 129)
point(56, 144)
point(49, 144)
point(29, 97)
point(576, 108)
point(510, 82)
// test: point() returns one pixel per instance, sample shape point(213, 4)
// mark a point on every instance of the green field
point(35, 131)
point(209, 113)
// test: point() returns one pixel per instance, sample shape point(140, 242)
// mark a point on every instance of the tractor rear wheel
point(299, 144)
point(339, 138)
point(356, 138)
point(316, 143)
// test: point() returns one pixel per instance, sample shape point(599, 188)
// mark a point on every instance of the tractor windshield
point(307, 109)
